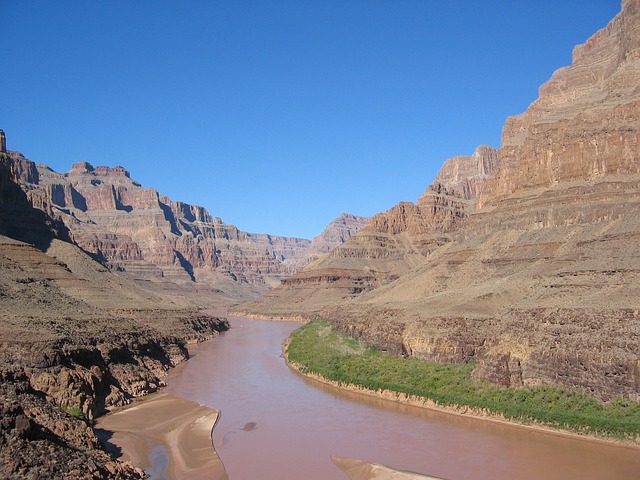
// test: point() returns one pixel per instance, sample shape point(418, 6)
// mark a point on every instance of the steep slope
point(541, 284)
point(387, 247)
point(151, 238)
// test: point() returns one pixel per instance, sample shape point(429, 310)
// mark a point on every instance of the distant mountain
point(335, 234)
point(529, 267)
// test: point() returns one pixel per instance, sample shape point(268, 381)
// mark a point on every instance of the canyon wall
point(388, 246)
point(541, 284)
point(149, 237)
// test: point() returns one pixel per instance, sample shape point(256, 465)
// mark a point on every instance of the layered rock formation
point(583, 125)
point(152, 238)
point(335, 234)
point(388, 246)
point(539, 284)
point(76, 339)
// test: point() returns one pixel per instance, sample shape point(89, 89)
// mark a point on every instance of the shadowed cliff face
point(18, 218)
point(538, 282)
point(62, 354)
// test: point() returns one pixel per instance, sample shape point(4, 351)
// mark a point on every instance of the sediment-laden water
point(276, 424)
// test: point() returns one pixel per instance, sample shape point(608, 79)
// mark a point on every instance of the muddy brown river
point(276, 424)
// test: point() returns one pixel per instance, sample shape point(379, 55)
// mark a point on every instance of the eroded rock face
point(583, 125)
point(540, 285)
point(62, 356)
point(151, 237)
point(76, 340)
point(38, 440)
point(335, 234)
point(465, 176)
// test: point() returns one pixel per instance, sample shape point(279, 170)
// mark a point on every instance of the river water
point(277, 424)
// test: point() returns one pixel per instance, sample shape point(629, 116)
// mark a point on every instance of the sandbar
point(359, 470)
point(173, 427)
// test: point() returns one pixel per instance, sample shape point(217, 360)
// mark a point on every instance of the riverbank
point(174, 432)
point(351, 348)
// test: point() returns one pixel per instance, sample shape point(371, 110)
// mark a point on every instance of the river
point(277, 424)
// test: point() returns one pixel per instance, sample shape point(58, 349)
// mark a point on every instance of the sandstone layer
point(335, 234)
point(537, 281)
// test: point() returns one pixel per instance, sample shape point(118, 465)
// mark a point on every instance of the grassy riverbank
point(317, 349)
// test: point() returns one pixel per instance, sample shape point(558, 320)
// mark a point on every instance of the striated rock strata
point(541, 284)
point(151, 238)
point(388, 246)
point(335, 234)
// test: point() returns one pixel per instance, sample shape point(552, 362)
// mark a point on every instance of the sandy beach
point(166, 427)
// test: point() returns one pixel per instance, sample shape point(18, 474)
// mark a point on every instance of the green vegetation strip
point(317, 348)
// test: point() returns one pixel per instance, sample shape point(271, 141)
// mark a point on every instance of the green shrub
point(318, 349)
point(74, 411)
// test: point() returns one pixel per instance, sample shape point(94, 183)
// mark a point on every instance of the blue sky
point(278, 115)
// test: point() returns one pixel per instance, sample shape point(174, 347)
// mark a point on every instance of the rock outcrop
point(538, 282)
point(583, 125)
point(540, 286)
point(335, 234)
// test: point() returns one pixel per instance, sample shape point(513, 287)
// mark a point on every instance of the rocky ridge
point(537, 283)
point(335, 234)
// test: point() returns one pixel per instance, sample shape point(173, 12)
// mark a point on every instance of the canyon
point(153, 240)
point(521, 260)
point(113, 277)
point(77, 340)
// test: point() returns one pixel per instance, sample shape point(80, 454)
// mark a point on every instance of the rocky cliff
point(151, 238)
point(540, 286)
point(583, 125)
point(538, 282)
point(76, 340)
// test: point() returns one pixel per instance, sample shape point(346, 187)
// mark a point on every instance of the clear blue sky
point(278, 115)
